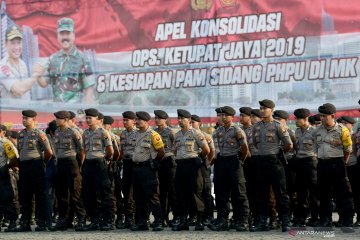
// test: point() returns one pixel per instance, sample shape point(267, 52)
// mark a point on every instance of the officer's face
point(226, 118)
point(128, 123)
point(244, 119)
point(160, 121)
point(183, 122)
point(327, 120)
point(66, 39)
point(255, 119)
point(14, 48)
point(107, 127)
point(301, 122)
point(195, 124)
point(28, 121)
point(265, 112)
point(60, 122)
point(348, 125)
point(91, 121)
point(219, 118)
point(141, 124)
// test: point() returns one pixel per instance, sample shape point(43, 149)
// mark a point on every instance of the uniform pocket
point(270, 136)
point(97, 146)
point(308, 144)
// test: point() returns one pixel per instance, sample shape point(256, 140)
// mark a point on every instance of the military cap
point(14, 134)
point(267, 103)
point(62, 114)
point(29, 113)
point(3, 127)
point(218, 110)
point(91, 112)
point(129, 115)
point(161, 114)
point(65, 24)
point(327, 108)
point(72, 115)
point(100, 116)
point(8, 133)
point(245, 110)
point(348, 119)
point(108, 120)
point(195, 118)
point(256, 112)
point(228, 110)
point(52, 125)
point(281, 114)
point(302, 113)
point(183, 113)
point(12, 32)
point(143, 116)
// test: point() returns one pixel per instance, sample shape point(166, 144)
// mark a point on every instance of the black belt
point(94, 160)
point(228, 158)
point(30, 161)
point(67, 159)
point(141, 164)
point(185, 160)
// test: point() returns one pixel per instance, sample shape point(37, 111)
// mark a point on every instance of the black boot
point(261, 226)
point(222, 224)
point(183, 225)
point(80, 225)
point(242, 225)
point(93, 226)
point(41, 227)
point(24, 226)
point(158, 225)
point(11, 227)
point(61, 225)
point(285, 224)
point(129, 221)
point(199, 226)
point(140, 226)
point(107, 225)
point(174, 221)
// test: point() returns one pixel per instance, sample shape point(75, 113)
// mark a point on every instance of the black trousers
point(270, 173)
point(306, 189)
point(354, 178)
point(32, 182)
point(146, 192)
point(333, 181)
point(229, 182)
point(127, 188)
point(115, 177)
point(189, 186)
point(206, 193)
point(7, 195)
point(97, 190)
point(166, 175)
point(68, 188)
point(252, 193)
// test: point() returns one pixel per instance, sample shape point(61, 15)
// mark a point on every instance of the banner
point(194, 54)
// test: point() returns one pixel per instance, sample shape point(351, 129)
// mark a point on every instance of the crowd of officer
point(269, 175)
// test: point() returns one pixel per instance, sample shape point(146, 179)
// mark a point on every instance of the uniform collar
point(72, 52)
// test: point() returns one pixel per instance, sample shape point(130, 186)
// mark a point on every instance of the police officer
point(333, 145)
point(34, 150)
point(149, 151)
point(8, 153)
point(72, 123)
point(167, 167)
point(68, 145)
point(127, 148)
point(69, 71)
point(356, 169)
point(268, 134)
point(305, 171)
point(206, 172)
point(96, 183)
point(229, 180)
point(114, 170)
point(188, 179)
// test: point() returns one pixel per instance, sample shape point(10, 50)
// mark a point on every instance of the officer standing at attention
point(34, 149)
point(229, 177)
point(68, 148)
point(96, 183)
point(149, 151)
point(268, 134)
point(127, 148)
point(8, 155)
point(188, 179)
point(333, 145)
point(167, 167)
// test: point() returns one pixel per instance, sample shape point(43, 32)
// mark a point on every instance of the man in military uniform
point(167, 167)
point(68, 145)
point(96, 183)
point(188, 179)
point(333, 145)
point(305, 171)
point(72, 123)
point(267, 135)
point(149, 151)
point(34, 150)
point(229, 180)
point(127, 148)
point(8, 155)
point(114, 169)
point(69, 71)
point(206, 172)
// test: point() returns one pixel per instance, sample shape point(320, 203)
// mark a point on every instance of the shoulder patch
point(42, 136)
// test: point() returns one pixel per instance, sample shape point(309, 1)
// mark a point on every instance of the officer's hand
point(38, 70)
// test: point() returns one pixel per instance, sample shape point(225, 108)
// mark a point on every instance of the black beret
point(267, 103)
point(129, 115)
point(327, 108)
point(62, 114)
point(91, 112)
point(8, 133)
point(348, 119)
point(183, 113)
point(195, 118)
point(100, 116)
point(108, 120)
point(245, 110)
point(72, 115)
point(317, 117)
point(228, 110)
point(359, 101)
point(281, 114)
point(29, 113)
point(52, 125)
point(218, 110)
point(302, 113)
point(3, 127)
point(161, 114)
point(143, 116)
point(256, 112)
point(14, 134)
